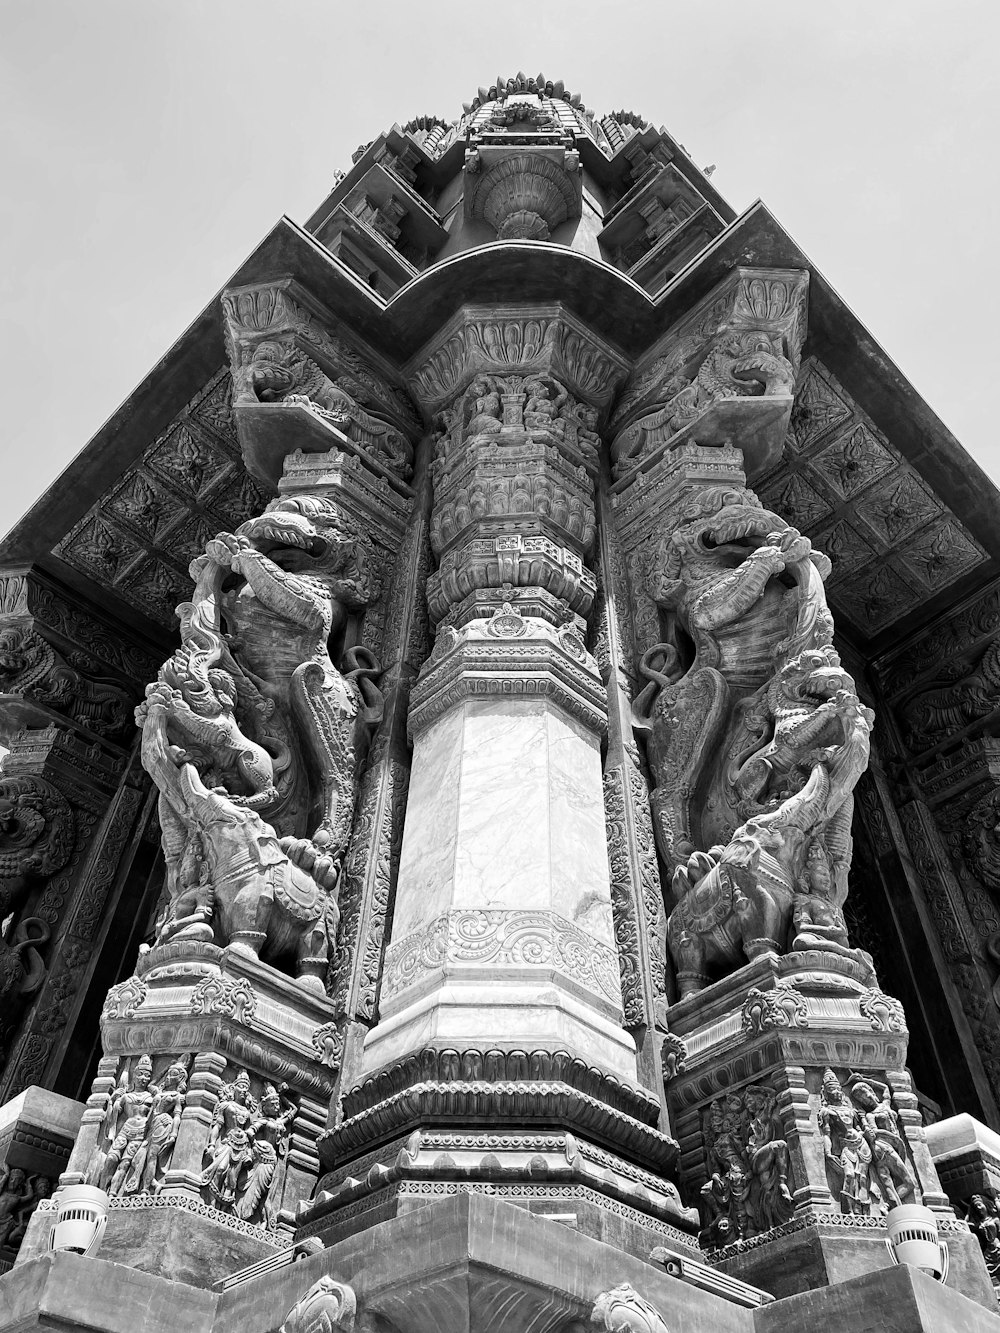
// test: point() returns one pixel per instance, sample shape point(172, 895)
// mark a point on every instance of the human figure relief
point(270, 1144)
point(229, 1148)
point(126, 1120)
point(164, 1123)
point(755, 736)
point(15, 1194)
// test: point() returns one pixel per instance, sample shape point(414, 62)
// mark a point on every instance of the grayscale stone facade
point(500, 819)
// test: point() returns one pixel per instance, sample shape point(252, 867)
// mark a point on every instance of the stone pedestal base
point(477, 1264)
point(900, 1300)
point(37, 1130)
point(540, 1128)
point(790, 1098)
point(168, 1237)
point(230, 1066)
point(805, 1255)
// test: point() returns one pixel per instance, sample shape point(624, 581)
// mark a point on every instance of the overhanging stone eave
point(520, 273)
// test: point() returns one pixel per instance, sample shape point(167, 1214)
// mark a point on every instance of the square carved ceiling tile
point(847, 548)
point(940, 554)
point(214, 408)
point(818, 410)
point(100, 548)
point(156, 588)
point(791, 495)
point(142, 504)
point(188, 462)
point(898, 507)
point(875, 597)
point(854, 462)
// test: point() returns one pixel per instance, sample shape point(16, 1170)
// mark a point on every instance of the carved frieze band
point(493, 938)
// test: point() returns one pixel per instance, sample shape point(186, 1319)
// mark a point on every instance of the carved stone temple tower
point(499, 819)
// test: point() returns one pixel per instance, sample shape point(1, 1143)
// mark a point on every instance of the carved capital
point(514, 656)
point(520, 340)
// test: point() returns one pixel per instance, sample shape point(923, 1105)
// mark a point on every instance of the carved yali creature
point(755, 736)
point(743, 364)
point(281, 373)
point(262, 721)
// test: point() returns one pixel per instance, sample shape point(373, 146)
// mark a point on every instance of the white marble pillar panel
point(502, 933)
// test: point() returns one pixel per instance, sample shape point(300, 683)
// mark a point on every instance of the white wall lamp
point(81, 1218)
point(913, 1240)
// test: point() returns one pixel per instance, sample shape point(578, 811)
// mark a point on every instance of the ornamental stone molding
point(512, 939)
point(782, 1006)
point(515, 340)
point(536, 662)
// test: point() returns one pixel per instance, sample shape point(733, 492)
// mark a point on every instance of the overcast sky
point(149, 145)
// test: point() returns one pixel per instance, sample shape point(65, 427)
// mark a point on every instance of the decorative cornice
point(537, 662)
point(515, 340)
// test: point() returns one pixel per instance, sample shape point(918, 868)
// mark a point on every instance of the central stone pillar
point(500, 1058)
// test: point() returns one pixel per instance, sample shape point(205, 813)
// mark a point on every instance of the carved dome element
point(526, 195)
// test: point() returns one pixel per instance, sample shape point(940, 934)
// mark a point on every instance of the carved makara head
point(305, 534)
point(272, 371)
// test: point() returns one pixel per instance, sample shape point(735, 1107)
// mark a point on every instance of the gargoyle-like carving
point(260, 720)
point(755, 736)
point(280, 372)
point(865, 1150)
point(327, 1307)
point(31, 667)
point(781, 1007)
point(748, 1191)
point(36, 835)
point(741, 364)
point(981, 840)
point(623, 1310)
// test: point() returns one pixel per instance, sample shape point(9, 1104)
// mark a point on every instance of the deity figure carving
point(279, 372)
point(748, 1190)
point(251, 717)
point(119, 1169)
point(984, 1220)
point(865, 1150)
point(228, 1149)
point(245, 1144)
point(755, 735)
point(164, 1122)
